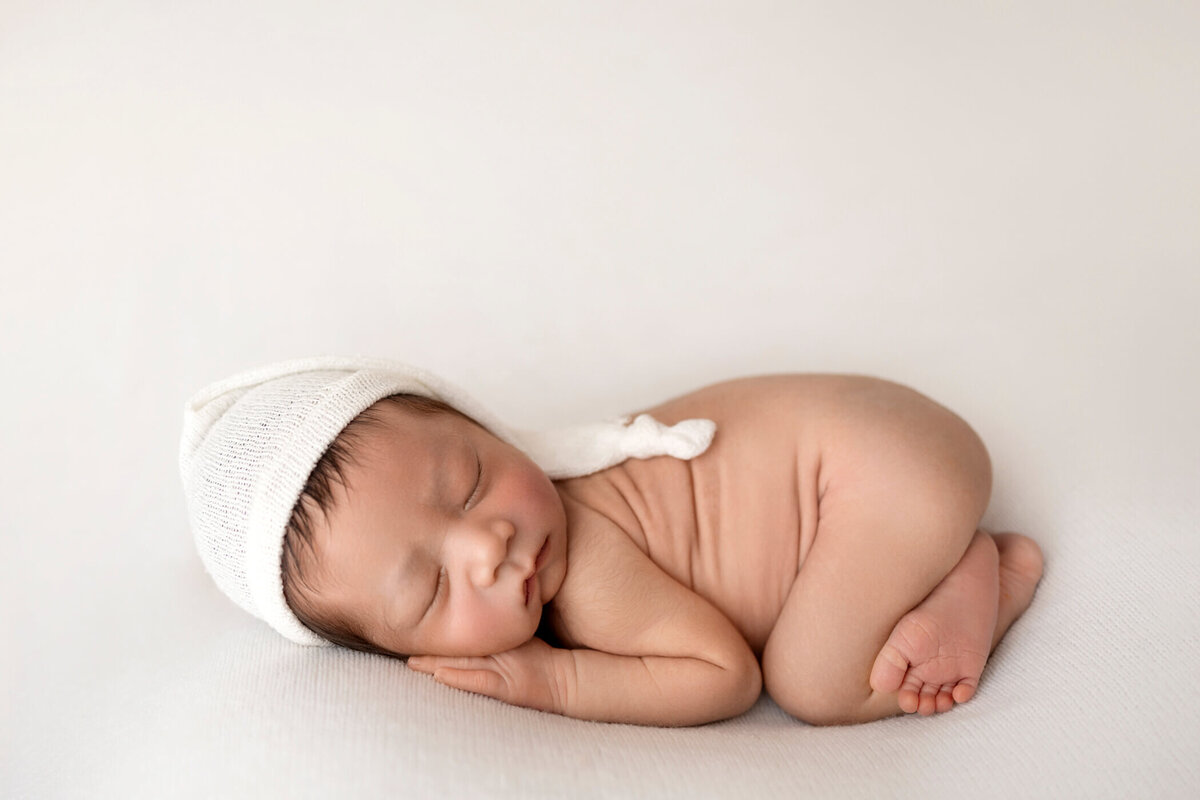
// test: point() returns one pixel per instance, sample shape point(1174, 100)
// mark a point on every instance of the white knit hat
point(250, 442)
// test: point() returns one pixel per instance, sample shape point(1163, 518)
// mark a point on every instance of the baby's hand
point(534, 675)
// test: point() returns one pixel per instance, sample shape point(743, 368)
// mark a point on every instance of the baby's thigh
point(902, 500)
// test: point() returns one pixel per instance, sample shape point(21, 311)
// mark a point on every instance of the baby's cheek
point(533, 492)
point(485, 636)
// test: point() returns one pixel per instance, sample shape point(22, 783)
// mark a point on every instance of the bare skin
point(825, 548)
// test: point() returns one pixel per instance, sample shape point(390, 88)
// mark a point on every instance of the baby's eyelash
point(437, 588)
point(478, 480)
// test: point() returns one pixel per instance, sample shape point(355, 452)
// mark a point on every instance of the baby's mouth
point(537, 564)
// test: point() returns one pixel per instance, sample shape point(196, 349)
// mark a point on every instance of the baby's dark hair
point(298, 562)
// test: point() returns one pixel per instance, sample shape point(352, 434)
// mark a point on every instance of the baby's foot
point(1020, 571)
point(937, 651)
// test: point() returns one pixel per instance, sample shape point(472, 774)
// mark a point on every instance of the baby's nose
point(487, 549)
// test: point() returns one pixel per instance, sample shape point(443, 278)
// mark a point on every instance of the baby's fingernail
point(416, 663)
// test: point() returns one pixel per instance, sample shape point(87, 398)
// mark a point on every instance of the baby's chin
point(504, 644)
point(532, 631)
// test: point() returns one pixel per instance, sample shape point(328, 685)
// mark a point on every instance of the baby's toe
point(945, 700)
point(965, 690)
point(928, 700)
point(909, 696)
point(888, 670)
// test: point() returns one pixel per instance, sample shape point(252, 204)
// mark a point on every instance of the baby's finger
point(479, 681)
point(428, 664)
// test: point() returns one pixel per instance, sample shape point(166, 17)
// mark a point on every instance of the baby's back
point(734, 523)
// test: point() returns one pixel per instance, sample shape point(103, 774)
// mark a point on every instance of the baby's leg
point(905, 483)
point(875, 557)
point(904, 491)
point(937, 651)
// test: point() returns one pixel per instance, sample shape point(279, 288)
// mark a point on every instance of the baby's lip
point(537, 563)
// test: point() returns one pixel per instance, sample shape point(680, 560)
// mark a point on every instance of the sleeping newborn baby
point(823, 544)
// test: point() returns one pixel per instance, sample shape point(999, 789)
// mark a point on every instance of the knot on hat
point(647, 437)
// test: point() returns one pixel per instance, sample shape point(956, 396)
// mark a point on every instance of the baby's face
point(431, 543)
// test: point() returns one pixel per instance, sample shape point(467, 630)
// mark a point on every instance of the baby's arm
point(654, 652)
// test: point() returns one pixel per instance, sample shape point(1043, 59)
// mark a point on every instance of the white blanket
point(1091, 694)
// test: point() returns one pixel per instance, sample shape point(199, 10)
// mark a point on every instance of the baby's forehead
point(396, 434)
point(392, 415)
point(397, 465)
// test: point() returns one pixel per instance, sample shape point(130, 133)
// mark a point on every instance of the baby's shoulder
point(601, 565)
point(614, 598)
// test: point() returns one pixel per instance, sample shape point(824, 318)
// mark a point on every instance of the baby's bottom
point(894, 615)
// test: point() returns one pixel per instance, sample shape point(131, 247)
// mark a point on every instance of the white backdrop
point(574, 210)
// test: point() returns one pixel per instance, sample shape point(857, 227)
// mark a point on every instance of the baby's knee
point(806, 691)
point(832, 706)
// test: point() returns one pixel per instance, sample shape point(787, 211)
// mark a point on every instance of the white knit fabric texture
point(250, 442)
